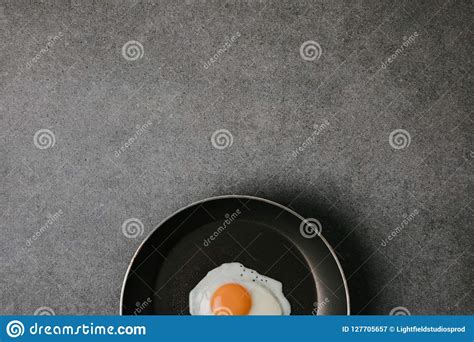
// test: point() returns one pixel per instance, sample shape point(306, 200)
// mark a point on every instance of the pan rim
point(344, 280)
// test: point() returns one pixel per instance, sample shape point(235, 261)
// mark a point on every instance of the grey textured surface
point(91, 98)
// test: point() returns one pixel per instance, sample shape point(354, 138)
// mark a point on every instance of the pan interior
point(253, 244)
point(261, 235)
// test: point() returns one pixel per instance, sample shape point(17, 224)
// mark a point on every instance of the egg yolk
point(231, 299)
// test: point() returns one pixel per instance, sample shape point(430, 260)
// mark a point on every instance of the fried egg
point(232, 289)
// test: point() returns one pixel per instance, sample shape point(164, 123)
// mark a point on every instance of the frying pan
point(260, 234)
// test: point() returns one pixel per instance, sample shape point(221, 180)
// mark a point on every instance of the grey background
point(269, 98)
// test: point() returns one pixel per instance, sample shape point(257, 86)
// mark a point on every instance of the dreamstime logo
point(310, 227)
point(3, 18)
point(229, 219)
point(318, 129)
point(140, 307)
point(132, 50)
point(399, 139)
point(44, 311)
point(310, 50)
point(51, 219)
point(220, 2)
point(15, 329)
point(318, 306)
point(222, 311)
point(407, 41)
point(221, 139)
point(132, 228)
point(44, 51)
point(394, 233)
point(44, 139)
point(468, 155)
point(141, 129)
point(399, 311)
point(221, 51)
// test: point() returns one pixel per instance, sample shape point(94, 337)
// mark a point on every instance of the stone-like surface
point(258, 87)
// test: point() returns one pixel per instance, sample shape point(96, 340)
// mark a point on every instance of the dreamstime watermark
point(44, 311)
point(139, 131)
point(3, 17)
point(15, 329)
point(221, 139)
point(133, 228)
point(44, 138)
point(468, 155)
point(318, 129)
point(222, 311)
point(51, 220)
point(400, 311)
point(310, 227)
point(223, 2)
point(132, 50)
point(407, 41)
point(310, 50)
point(228, 220)
point(399, 139)
point(49, 45)
point(227, 45)
point(394, 233)
point(140, 307)
point(318, 306)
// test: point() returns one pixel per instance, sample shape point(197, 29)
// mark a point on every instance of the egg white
point(266, 293)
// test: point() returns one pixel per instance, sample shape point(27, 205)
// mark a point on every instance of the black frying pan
point(260, 234)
